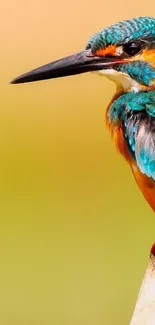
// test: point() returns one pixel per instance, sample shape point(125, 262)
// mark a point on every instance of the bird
point(124, 53)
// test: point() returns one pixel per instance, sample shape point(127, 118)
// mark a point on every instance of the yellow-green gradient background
point(75, 231)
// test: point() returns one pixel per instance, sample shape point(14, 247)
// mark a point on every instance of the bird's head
point(124, 52)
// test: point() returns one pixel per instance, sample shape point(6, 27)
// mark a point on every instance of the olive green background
point(75, 231)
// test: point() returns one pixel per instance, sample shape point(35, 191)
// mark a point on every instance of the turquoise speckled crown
point(123, 32)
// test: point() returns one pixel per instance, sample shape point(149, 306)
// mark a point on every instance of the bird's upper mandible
point(124, 52)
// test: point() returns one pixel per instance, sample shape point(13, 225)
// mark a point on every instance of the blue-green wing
point(139, 128)
point(145, 147)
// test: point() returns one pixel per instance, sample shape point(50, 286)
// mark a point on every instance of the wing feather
point(140, 136)
point(145, 147)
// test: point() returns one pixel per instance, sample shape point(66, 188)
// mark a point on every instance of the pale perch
point(144, 313)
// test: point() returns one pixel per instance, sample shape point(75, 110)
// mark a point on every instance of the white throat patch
point(121, 79)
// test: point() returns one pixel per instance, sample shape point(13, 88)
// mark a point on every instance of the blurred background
point(75, 231)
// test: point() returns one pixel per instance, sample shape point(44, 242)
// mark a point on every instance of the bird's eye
point(132, 48)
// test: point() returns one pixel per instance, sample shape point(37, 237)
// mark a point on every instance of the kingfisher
point(125, 53)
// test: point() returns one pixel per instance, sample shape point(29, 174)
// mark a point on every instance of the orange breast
point(145, 183)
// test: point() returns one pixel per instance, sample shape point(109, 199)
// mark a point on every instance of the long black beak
point(71, 65)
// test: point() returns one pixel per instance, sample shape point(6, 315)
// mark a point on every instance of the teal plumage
point(123, 32)
point(140, 71)
point(143, 100)
point(137, 114)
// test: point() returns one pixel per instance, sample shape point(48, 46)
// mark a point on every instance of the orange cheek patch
point(147, 56)
point(110, 50)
